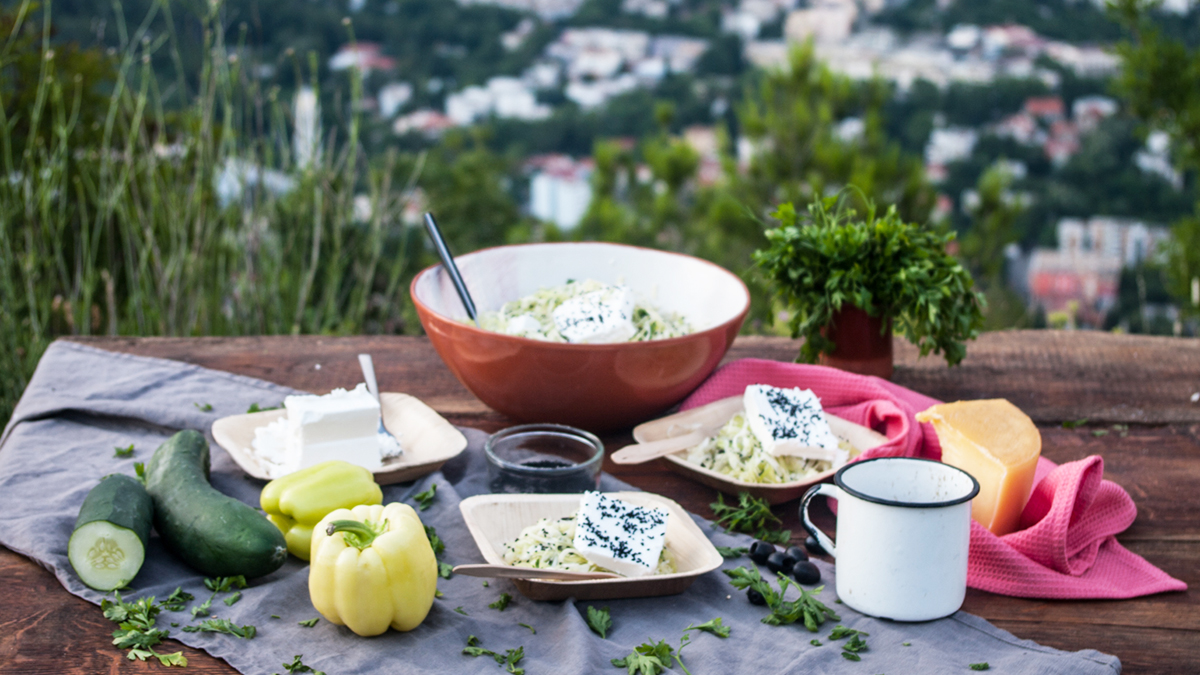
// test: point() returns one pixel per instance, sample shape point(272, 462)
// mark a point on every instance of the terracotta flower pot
point(864, 346)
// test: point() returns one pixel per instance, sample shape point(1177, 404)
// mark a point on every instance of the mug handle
point(819, 489)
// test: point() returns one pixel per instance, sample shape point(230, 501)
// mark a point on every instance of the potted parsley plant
point(850, 281)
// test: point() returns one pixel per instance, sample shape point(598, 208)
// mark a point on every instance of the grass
point(112, 220)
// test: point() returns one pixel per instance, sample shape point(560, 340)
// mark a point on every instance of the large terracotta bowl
point(595, 387)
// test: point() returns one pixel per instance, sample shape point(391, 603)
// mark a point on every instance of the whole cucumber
point(214, 534)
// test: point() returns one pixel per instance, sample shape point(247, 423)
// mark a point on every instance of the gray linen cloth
point(83, 402)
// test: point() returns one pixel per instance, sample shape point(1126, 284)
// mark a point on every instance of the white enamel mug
point(903, 533)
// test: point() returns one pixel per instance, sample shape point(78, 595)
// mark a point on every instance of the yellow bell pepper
point(372, 567)
point(298, 501)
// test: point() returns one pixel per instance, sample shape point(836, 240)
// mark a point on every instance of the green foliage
point(115, 220)
point(789, 118)
point(993, 227)
point(880, 264)
point(806, 608)
point(48, 87)
point(599, 620)
point(1058, 19)
point(752, 516)
point(1139, 289)
point(790, 122)
point(136, 629)
point(1160, 79)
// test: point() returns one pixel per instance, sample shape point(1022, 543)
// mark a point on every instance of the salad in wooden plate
point(678, 439)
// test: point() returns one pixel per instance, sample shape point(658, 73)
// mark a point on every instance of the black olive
point(778, 562)
point(813, 546)
point(804, 572)
point(796, 553)
point(760, 551)
point(755, 597)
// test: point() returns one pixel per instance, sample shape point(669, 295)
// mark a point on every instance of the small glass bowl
point(543, 458)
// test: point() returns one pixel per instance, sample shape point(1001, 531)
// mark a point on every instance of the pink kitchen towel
point(1065, 549)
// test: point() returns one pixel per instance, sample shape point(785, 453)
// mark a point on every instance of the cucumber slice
point(105, 556)
point(108, 545)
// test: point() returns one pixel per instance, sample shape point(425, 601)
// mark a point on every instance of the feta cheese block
point(598, 317)
point(340, 425)
point(791, 422)
point(619, 536)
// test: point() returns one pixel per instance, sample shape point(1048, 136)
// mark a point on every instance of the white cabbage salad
point(550, 544)
point(586, 311)
point(736, 452)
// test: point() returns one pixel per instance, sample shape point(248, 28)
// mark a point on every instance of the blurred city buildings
point(1081, 275)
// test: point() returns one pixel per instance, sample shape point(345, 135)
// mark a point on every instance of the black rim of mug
point(837, 478)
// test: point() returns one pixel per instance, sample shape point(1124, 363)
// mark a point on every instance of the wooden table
point(1145, 383)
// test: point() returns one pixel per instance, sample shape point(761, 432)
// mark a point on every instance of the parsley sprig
point(177, 600)
point(509, 659)
point(297, 666)
point(806, 608)
point(651, 658)
point(219, 585)
point(136, 629)
point(445, 570)
point(599, 620)
point(222, 626)
point(425, 499)
point(752, 516)
point(729, 553)
point(854, 645)
point(254, 407)
point(502, 603)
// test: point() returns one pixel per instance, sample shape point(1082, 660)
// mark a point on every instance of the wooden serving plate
point(713, 416)
point(496, 519)
point(428, 440)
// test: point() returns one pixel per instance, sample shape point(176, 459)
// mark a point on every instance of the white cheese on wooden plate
point(619, 536)
point(790, 422)
point(598, 317)
point(340, 425)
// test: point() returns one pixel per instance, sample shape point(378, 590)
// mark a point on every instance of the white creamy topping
point(790, 421)
point(619, 536)
point(523, 326)
point(598, 317)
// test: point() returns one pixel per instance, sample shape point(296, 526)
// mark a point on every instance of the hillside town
point(1067, 272)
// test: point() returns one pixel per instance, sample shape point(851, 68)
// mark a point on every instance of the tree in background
point(800, 150)
point(800, 153)
point(993, 227)
point(467, 186)
point(1160, 79)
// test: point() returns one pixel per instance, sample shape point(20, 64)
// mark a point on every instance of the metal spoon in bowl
point(368, 370)
point(435, 233)
point(513, 572)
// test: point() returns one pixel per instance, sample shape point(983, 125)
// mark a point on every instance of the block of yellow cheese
point(997, 444)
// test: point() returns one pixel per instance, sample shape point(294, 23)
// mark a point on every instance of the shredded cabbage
point(736, 452)
point(650, 322)
point(550, 544)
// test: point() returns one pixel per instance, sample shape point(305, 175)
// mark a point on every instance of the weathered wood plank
point(1052, 375)
point(44, 629)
